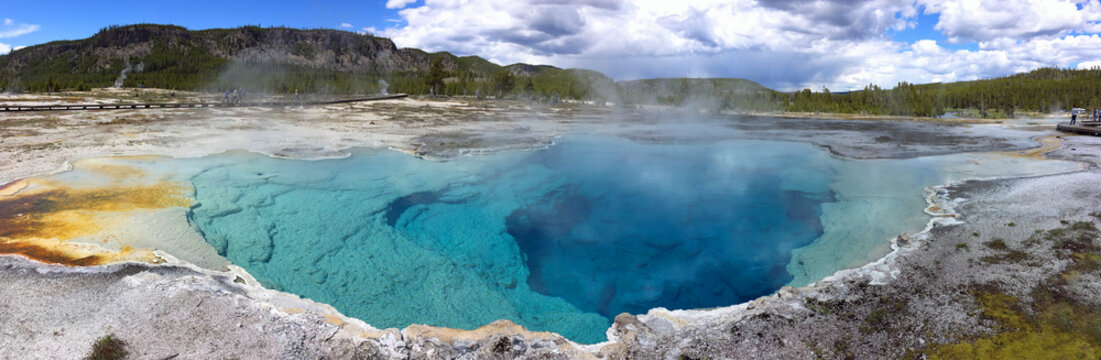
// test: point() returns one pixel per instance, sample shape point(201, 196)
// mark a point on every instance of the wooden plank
point(1087, 128)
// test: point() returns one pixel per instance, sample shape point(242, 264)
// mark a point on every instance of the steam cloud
point(126, 70)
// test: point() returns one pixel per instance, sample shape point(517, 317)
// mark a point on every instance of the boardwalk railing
point(14, 107)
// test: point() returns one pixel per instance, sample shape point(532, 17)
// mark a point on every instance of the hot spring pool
point(561, 239)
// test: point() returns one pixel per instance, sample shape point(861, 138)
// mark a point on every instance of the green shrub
point(108, 347)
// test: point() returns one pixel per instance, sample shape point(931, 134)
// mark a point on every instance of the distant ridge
point(272, 59)
point(284, 60)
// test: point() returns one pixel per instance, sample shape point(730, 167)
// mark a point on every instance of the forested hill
point(277, 59)
point(284, 60)
point(1041, 90)
point(709, 93)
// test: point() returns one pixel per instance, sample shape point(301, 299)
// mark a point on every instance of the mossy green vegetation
point(879, 319)
point(826, 307)
point(1060, 330)
point(108, 347)
point(1051, 323)
point(1004, 254)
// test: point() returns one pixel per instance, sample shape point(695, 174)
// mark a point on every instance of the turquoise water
point(561, 239)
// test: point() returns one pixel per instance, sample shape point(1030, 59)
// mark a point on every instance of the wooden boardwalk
point(1081, 127)
point(62, 107)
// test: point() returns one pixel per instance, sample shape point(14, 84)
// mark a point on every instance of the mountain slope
point(283, 60)
point(272, 59)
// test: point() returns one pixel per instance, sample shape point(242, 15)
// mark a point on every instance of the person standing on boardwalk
point(225, 100)
point(1074, 114)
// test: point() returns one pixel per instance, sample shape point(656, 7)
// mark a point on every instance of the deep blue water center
point(638, 226)
point(561, 239)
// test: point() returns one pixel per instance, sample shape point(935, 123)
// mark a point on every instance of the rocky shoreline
point(936, 288)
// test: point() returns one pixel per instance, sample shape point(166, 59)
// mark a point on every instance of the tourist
point(1074, 115)
point(225, 100)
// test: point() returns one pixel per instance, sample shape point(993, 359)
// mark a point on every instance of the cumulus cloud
point(785, 44)
point(398, 4)
point(345, 26)
point(5, 48)
point(12, 29)
point(1085, 65)
point(860, 19)
point(985, 20)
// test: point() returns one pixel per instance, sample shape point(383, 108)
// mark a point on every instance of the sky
point(783, 44)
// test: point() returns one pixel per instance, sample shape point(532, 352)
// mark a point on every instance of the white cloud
point(785, 44)
point(5, 48)
point(984, 20)
point(345, 26)
point(516, 30)
point(398, 4)
point(1094, 64)
point(12, 29)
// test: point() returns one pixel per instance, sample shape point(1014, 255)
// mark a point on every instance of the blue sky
point(784, 44)
point(68, 20)
point(923, 30)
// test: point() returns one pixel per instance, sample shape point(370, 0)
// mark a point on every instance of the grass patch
point(827, 307)
point(1005, 254)
point(962, 246)
point(1004, 308)
point(1011, 256)
point(879, 319)
point(996, 244)
point(108, 347)
point(1055, 325)
point(1059, 330)
point(1085, 262)
point(1076, 237)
